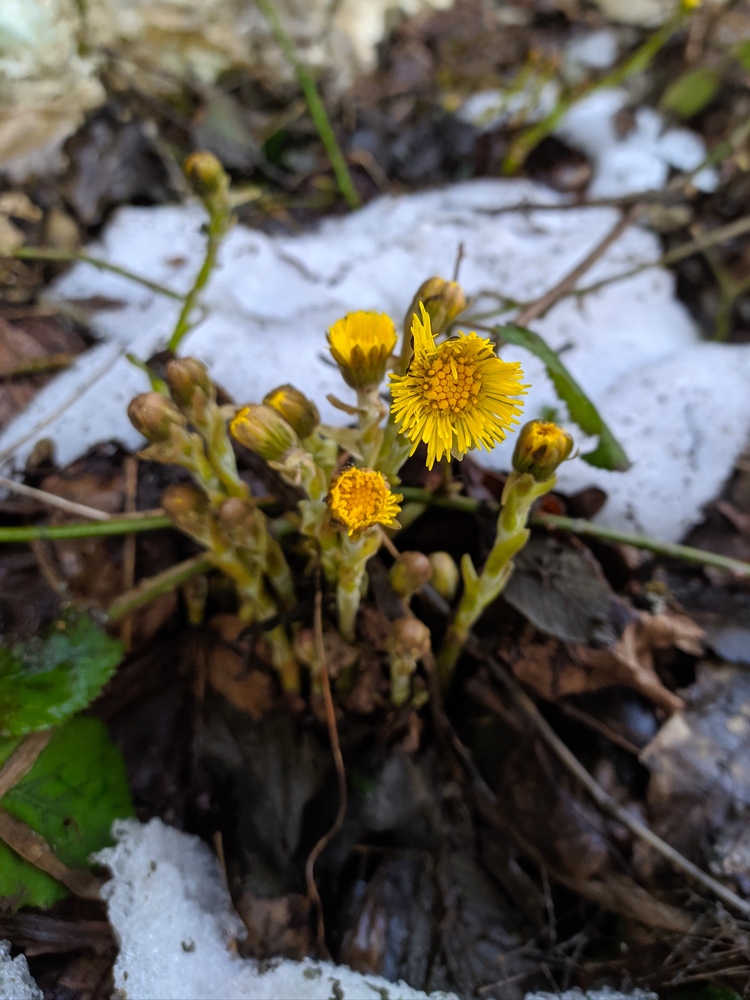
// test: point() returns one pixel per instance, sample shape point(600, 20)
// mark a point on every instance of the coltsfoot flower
point(455, 396)
point(261, 429)
point(299, 412)
point(540, 448)
point(361, 498)
point(361, 344)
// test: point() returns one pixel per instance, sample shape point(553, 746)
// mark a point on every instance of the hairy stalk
point(116, 526)
point(217, 227)
point(580, 526)
point(519, 494)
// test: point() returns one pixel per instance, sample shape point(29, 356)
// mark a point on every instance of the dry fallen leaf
point(555, 669)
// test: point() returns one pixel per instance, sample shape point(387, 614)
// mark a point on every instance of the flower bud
point(361, 344)
point(408, 642)
point(443, 300)
point(188, 508)
point(445, 574)
point(299, 412)
point(261, 429)
point(409, 573)
point(154, 416)
point(206, 174)
point(185, 376)
point(540, 448)
point(235, 512)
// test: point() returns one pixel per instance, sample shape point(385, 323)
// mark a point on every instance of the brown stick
point(545, 302)
point(598, 794)
point(32, 847)
point(81, 510)
point(22, 759)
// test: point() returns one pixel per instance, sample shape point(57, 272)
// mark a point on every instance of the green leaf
point(741, 52)
point(71, 796)
point(608, 453)
point(48, 679)
point(691, 92)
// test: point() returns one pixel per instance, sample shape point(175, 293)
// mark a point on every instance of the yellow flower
point(455, 396)
point(361, 344)
point(361, 498)
point(540, 448)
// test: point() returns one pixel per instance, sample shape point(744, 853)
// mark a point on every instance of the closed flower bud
point(299, 412)
point(409, 638)
point(188, 508)
point(540, 448)
point(206, 174)
point(184, 377)
point(409, 573)
point(154, 416)
point(235, 512)
point(261, 429)
point(445, 574)
point(443, 300)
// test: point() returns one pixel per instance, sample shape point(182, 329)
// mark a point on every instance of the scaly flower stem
point(519, 494)
point(580, 526)
point(217, 227)
point(154, 586)
point(353, 557)
point(371, 412)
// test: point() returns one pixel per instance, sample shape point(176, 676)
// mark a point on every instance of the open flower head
point(361, 344)
point(361, 498)
point(455, 396)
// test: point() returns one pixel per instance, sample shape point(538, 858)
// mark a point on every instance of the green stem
point(154, 586)
point(73, 256)
point(217, 226)
point(117, 526)
point(480, 591)
point(580, 526)
point(635, 63)
point(315, 105)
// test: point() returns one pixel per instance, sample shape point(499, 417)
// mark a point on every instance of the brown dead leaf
point(555, 669)
point(249, 690)
point(276, 927)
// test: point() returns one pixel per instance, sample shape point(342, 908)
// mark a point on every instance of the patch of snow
point(16, 982)
point(640, 159)
point(594, 50)
point(679, 406)
point(174, 923)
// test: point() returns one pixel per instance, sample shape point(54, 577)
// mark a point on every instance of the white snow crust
point(173, 920)
point(680, 407)
point(16, 982)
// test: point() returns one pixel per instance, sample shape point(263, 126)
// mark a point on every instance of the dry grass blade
point(22, 759)
point(602, 798)
point(312, 889)
point(69, 506)
point(34, 848)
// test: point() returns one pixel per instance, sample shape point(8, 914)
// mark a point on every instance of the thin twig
point(116, 526)
point(312, 889)
point(154, 586)
point(580, 526)
point(602, 798)
point(69, 506)
point(545, 302)
point(32, 847)
point(36, 366)
point(703, 242)
point(74, 256)
point(22, 759)
point(315, 105)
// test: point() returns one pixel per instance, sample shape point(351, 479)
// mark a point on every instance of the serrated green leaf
point(608, 453)
point(71, 796)
point(49, 678)
point(691, 92)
